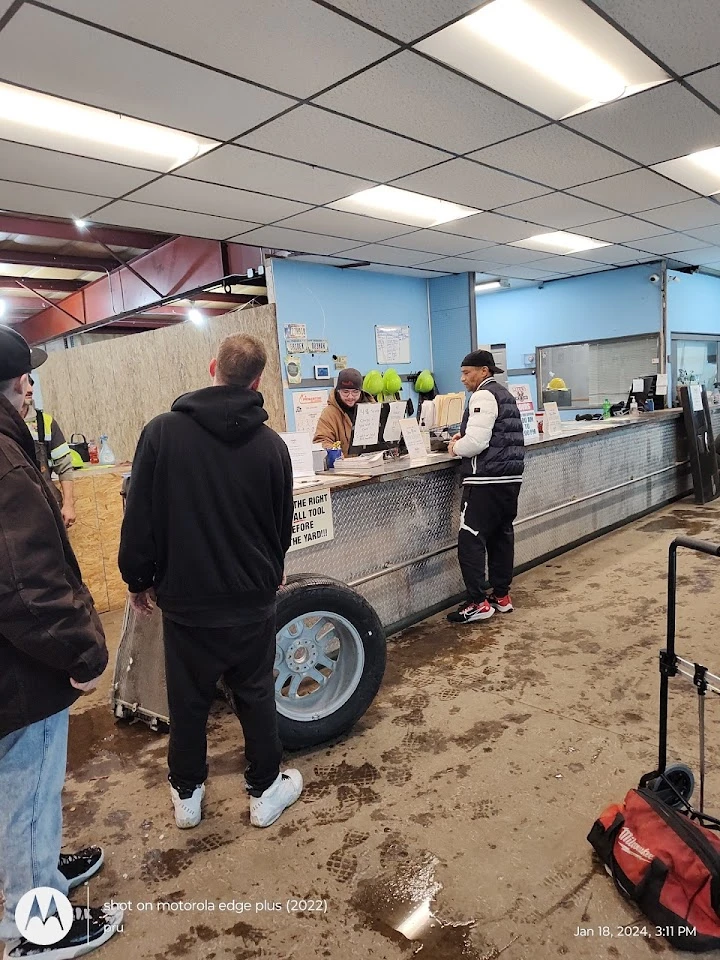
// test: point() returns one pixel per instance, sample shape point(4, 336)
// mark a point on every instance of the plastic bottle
point(93, 452)
point(634, 412)
point(606, 409)
point(106, 456)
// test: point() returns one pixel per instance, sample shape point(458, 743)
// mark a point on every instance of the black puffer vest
point(504, 459)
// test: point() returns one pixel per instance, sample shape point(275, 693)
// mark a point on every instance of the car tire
point(353, 626)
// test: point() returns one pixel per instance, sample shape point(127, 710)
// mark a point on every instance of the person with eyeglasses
point(338, 418)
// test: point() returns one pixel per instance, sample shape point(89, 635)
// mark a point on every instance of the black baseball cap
point(16, 356)
point(481, 358)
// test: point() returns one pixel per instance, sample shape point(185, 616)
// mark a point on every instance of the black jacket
point(209, 512)
point(492, 444)
point(49, 630)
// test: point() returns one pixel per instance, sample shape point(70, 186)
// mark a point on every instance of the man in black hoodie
point(208, 521)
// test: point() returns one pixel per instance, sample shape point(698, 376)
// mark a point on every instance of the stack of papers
point(365, 464)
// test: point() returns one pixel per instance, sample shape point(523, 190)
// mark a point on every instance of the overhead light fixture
point(195, 316)
point(699, 171)
point(80, 224)
point(42, 120)
point(403, 206)
point(559, 242)
point(487, 285)
point(557, 56)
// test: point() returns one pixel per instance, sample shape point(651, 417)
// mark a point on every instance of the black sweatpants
point(195, 659)
point(486, 533)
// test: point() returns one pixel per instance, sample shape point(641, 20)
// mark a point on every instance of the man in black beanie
point(492, 447)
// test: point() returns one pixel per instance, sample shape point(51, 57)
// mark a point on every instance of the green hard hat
point(391, 382)
point(425, 382)
point(373, 383)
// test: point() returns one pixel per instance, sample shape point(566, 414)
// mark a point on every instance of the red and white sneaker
point(470, 612)
point(501, 604)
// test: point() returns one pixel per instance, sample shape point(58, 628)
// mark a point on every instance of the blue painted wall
point(693, 303)
point(343, 307)
point(450, 324)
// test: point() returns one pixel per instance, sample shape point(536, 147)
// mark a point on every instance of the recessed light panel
point(700, 171)
point(559, 242)
point(402, 206)
point(557, 56)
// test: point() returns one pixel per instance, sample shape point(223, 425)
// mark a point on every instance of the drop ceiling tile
point(670, 243)
point(385, 253)
point(337, 223)
point(536, 154)
point(442, 244)
point(650, 127)
point(633, 191)
point(299, 47)
point(456, 265)
point(708, 83)
point(200, 197)
point(470, 183)
point(523, 273)
point(406, 21)
point(250, 170)
point(558, 210)
point(315, 258)
point(123, 213)
point(283, 239)
point(709, 235)
point(613, 254)
point(700, 257)
point(430, 104)
point(48, 168)
point(623, 230)
point(116, 74)
point(490, 227)
point(402, 271)
point(21, 198)
point(502, 254)
point(691, 44)
point(326, 139)
point(685, 216)
point(587, 268)
point(566, 265)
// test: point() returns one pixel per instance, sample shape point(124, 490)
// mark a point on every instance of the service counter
point(395, 533)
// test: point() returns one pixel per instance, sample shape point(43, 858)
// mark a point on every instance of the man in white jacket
point(491, 445)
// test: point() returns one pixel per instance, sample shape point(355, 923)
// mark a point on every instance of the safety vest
point(41, 432)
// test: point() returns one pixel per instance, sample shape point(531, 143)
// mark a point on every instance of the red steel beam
point(61, 261)
point(63, 230)
point(41, 283)
point(176, 268)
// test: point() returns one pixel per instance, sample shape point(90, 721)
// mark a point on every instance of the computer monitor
point(648, 392)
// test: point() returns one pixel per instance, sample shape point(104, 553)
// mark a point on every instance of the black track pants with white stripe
point(486, 541)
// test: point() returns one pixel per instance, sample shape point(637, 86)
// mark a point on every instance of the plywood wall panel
point(117, 385)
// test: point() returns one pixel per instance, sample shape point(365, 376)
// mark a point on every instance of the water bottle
point(606, 409)
point(106, 456)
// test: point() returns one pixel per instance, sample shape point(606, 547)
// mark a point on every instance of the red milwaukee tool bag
point(667, 864)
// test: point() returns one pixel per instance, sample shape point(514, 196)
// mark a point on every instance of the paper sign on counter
point(392, 430)
point(312, 520)
point(661, 387)
point(696, 396)
point(523, 398)
point(367, 425)
point(300, 448)
point(638, 385)
point(413, 439)
point(552, 423)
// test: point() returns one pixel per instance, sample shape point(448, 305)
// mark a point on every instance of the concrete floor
point(474, 778)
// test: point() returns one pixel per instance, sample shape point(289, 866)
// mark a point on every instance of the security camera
point(654, 278)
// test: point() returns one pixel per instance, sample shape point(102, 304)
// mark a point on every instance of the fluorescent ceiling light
point(403, 206)
point(699, 171)
point(41, 120)
point(558, 56)
point(490, 285)
point(559, 242)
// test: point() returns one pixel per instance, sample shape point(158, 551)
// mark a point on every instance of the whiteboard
point(392, 344)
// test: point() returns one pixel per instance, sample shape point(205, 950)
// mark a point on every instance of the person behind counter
point(491, 444)
point(52, 452)
point(338, 418)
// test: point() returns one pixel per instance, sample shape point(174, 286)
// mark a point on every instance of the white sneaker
point(266, 809)
point(188, 810)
